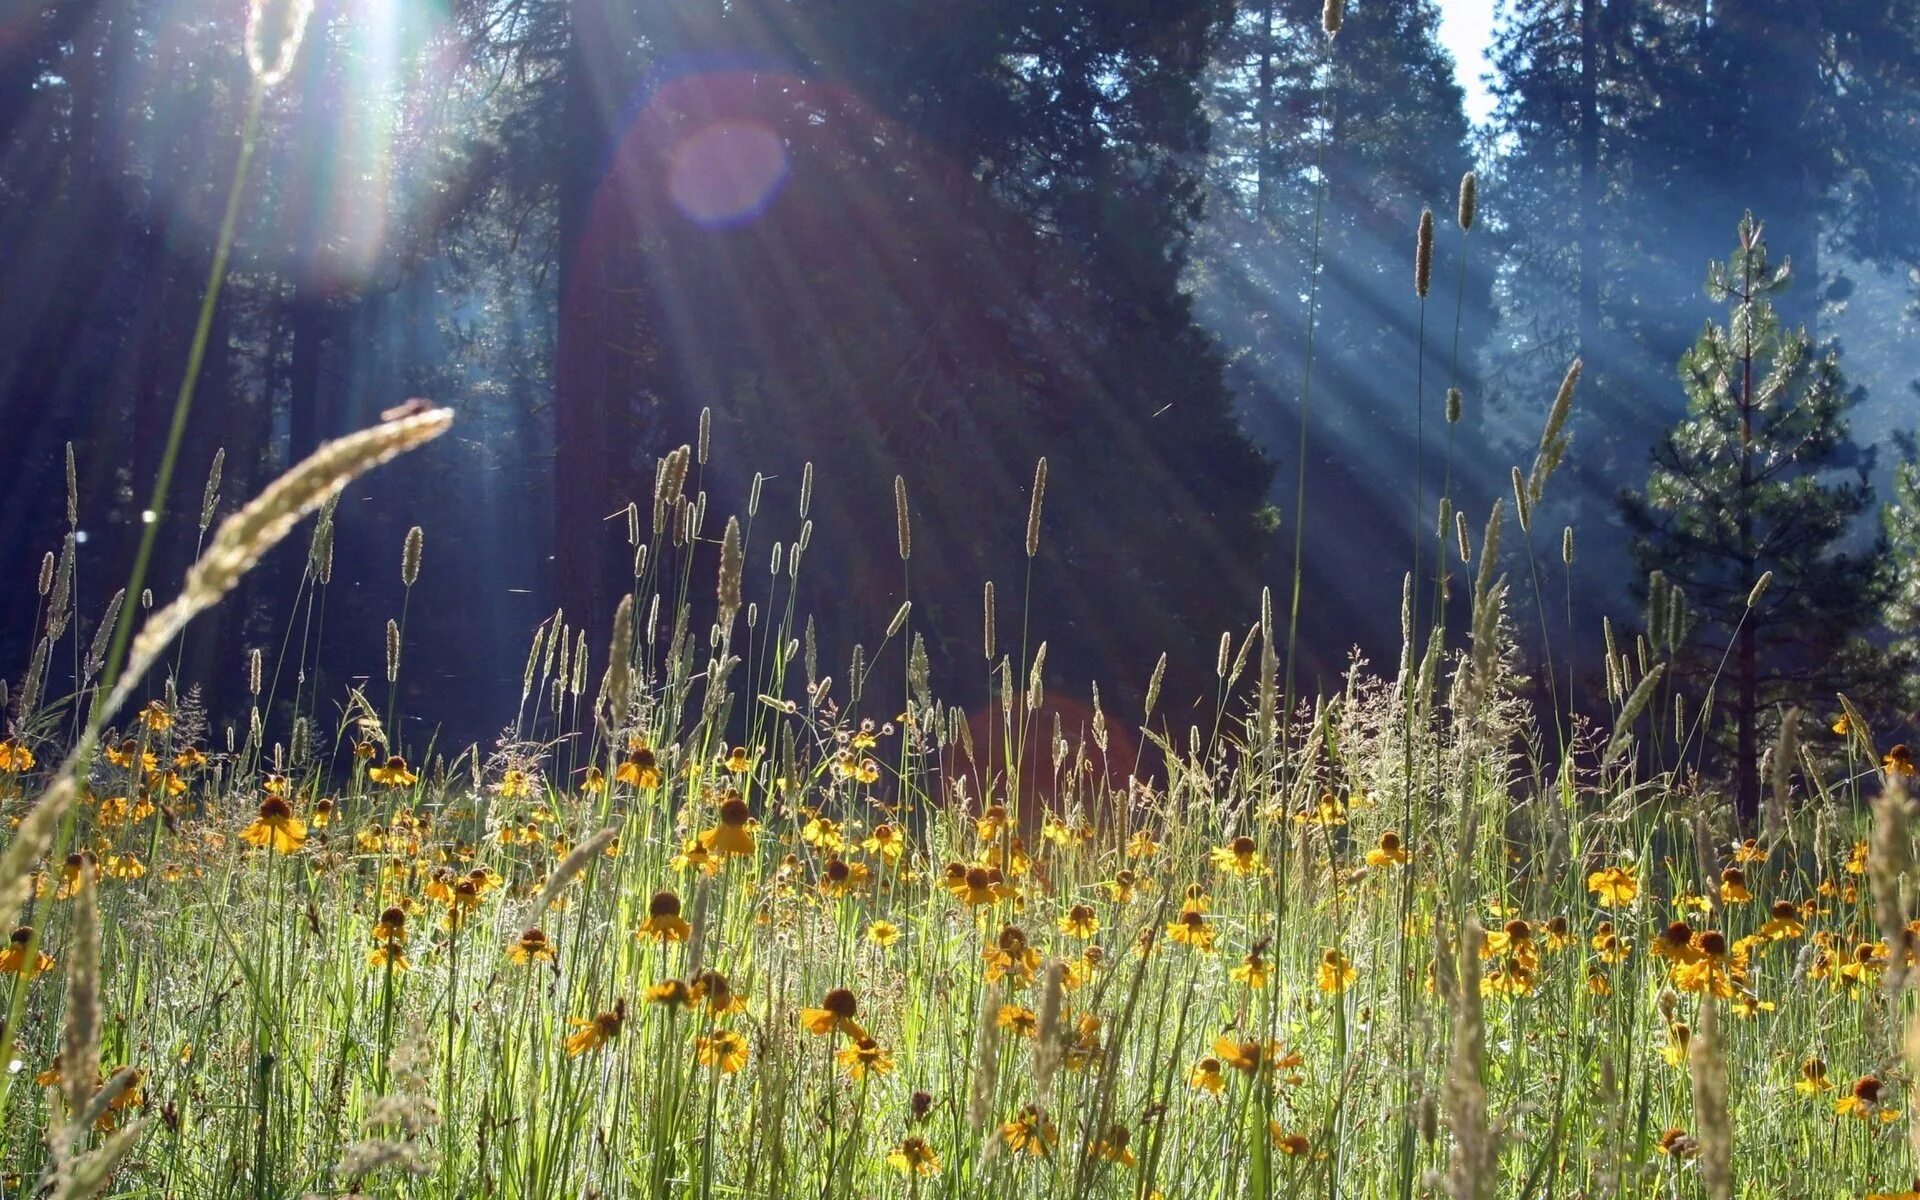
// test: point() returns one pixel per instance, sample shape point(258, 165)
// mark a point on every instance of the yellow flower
point(840, 878)
point(864, 1057)
point(1813, 1078)
point(595, 1032)
point(1192, 930)
point(1079, 922)
point(979, 886)
point(1679, 1039)
point(694, 855)
point(1733, 887)
point(731, 836)
point(1867, 1101)
point(823, 833)
point(883, 933)
point(739, 762)
point(664, 923)
point(14, 959)
point(1254, 971)
point(1898, 761)
point(1142, 845)
point(516, 784)
point(275, 828)
point(640, 768)
point(1206, 1076)
point(14, 756)
point(533, 947)
point(1336, 973)
point(156, 717)
point(1240, 857)
point(914, 1157)
point(1293, 1145)
point(1029, 1133)
point(1389, 853)
point(836, 1012)
point(393, 773)
point(885, 843)
point(1328, 812)
point(1123, 885)
point(1615, 886)
point(1783, 922)
point(723, 1049)
point(670, 993)
point(1842, 726)
point(1677, 1143)
point(1113, 1147)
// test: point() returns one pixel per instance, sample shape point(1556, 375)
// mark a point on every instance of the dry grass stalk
point(1714, 1125)
point(570, 866)
point(1472, 1166)
point(260, 525)
point(1033, 507)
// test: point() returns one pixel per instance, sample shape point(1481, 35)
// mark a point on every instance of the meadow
point(714, 918)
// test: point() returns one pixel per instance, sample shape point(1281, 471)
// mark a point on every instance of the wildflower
point(1748, 851)
point(840, 878)
point(914, 1157)
point(1196, 900)
point(1029, 1133)
point(125, 866)
point(980, 886)
point(1867, 961)
point(695, 856)
point(1675, 943)
point(593, 1033)
point(1898, 761)
point(1856, 863)
point(739, 762)
point(189, 758)
point(1113, 1147)
point(393, 773)
point(1327, 813)
point(1293, 1145)
point(323, 810)
point(14, 756)
point(1206, 1076)
point(275, 827)
point(593, 779)
point(1709, 970)
point(1079, 922)
point(1192, 930)
point(671, 994)
point(991, 823)
point(1677, 1143)
point(1141, 845)
point(1022, 1021)
point(865, 1056)
point(516, 784)
point(1615, 886)
point(885, 843)
point(1254, 971)
point(14, 960)
point(640, 768)
point(1335, 973)
point(836, 1012)
point(823, 833)
point(390, 941)
point(724, 1049)
point(1841, 725)
point(128, 753)
point(533, 947)
point(1123, 885)
point(664, 923)
point(1733, 887)
point(1867, 1101)
point(1239, 857)
point(1783, 922)
point(1679, 1038)
point(883, 933)
point(1813, 1078)
point(1388, 853)
point(1514, 940)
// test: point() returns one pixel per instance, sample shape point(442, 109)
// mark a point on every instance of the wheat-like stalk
point(260, 525)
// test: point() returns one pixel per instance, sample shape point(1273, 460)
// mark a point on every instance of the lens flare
point(726, 172)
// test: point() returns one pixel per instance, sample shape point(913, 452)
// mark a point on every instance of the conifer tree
point(1745, 512)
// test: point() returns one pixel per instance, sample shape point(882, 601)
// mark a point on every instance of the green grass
point(277, 1060)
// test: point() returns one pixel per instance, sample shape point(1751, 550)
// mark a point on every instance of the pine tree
point(1742, 513)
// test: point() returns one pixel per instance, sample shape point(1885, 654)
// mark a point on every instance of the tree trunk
point(1589, 149)
point(583, 399)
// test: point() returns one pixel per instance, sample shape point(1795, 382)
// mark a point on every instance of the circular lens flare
point(726, 172)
